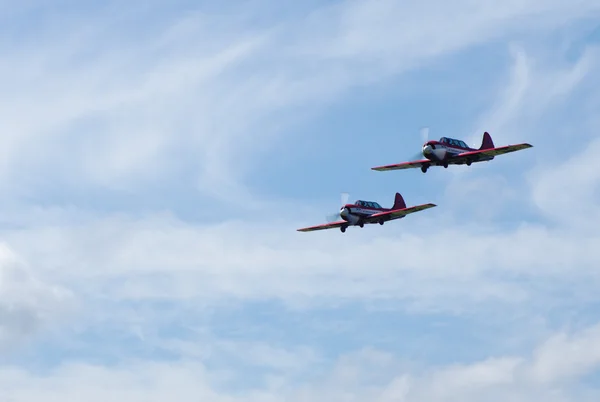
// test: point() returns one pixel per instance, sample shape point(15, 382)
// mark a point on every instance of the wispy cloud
point(124, 107)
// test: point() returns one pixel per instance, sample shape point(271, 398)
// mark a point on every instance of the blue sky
point(157, 159)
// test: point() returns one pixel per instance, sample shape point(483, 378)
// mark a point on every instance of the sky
point(156, 159)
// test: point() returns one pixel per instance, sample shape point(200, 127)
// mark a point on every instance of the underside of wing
point(493, 151)
point(403, 165)
point(331, 225)
point(399, 213)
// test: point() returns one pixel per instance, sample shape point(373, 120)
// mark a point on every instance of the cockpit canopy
point(367, 204)
point(453, 142)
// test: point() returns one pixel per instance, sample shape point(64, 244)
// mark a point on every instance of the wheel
point(343, 229)
point(424, 168)
point(362, 225)
point(381, 221)
point(446, 165)
point(469, 162)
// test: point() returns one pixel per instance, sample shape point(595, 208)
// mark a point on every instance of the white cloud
point(563, 358)
point(27, 305)
point(168, 258)
point(364, 374)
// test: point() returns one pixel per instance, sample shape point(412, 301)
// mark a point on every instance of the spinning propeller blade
point(333, 217)
point(336, 216)
point(417, 157)
point(425, 134)
point(345, 197)
point(424, 138)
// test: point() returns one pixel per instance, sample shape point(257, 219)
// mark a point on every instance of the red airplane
point(449, 151)
point(365, 212)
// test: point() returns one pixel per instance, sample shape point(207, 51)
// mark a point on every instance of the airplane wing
point(455, 159)
point(398, 213)
point(331, 225)
point(492, 151)
point(404, 165)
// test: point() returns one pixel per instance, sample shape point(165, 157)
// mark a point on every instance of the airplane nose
point(344, 212)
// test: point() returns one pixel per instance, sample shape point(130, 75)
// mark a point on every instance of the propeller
point(344, 198)
point(336, 216)
point(424, 138)
point(424, 134)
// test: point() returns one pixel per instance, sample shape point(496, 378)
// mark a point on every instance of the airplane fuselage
point(443, 152)
point(354, 214)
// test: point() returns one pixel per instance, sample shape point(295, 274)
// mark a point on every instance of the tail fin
point(399, 202)
point(487, 142)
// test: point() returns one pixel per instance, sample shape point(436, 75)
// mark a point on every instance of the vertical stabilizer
point(487, 142)
point(399, 202)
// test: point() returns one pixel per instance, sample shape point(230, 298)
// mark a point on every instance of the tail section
point(487, 142)
point(399, 202)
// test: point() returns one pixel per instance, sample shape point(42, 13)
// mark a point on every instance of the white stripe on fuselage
point(363, 211)
point(445, 151)
point(456, 150)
